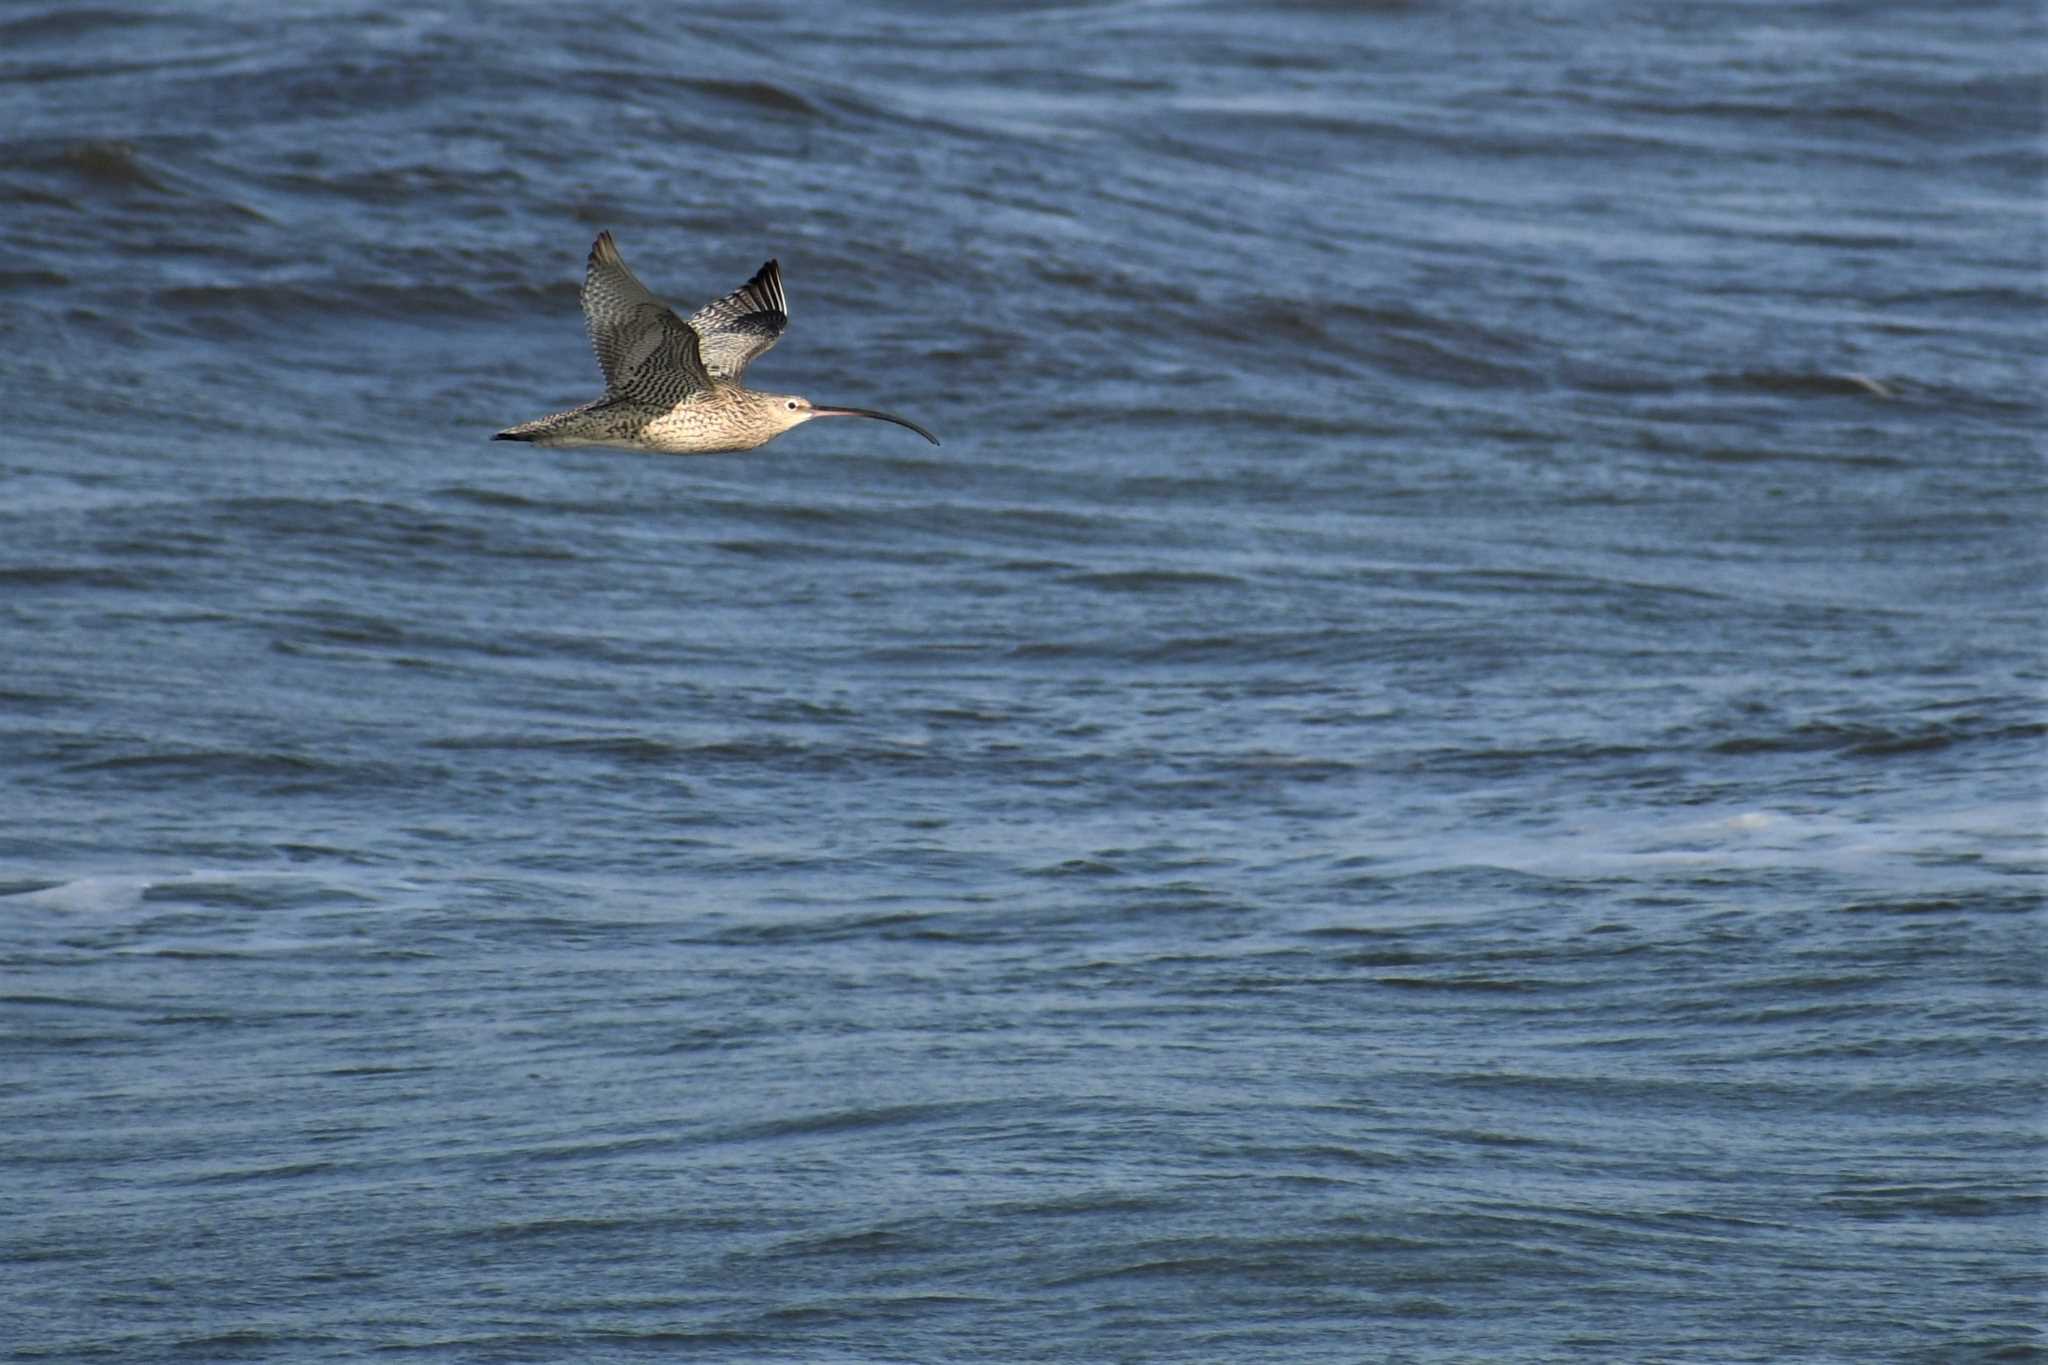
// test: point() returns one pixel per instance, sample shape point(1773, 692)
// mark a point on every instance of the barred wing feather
point(641, 345)
point(732, 331)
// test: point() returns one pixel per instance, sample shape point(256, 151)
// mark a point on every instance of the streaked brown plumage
point(673, 387)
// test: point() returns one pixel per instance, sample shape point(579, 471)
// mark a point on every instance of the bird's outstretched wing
point(733, 330)
point(644, 349)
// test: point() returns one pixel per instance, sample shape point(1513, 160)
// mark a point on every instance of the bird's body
point(673, 387)
point(709, 422)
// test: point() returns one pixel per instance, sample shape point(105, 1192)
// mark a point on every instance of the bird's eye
point(791, 405)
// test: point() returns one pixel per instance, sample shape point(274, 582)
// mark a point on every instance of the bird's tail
point(574, 426)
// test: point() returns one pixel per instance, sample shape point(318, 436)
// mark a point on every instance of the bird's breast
point(706, 424)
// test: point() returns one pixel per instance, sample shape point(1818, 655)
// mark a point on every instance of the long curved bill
point(817, 411)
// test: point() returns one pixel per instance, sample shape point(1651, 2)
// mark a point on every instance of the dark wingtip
point(510, 436)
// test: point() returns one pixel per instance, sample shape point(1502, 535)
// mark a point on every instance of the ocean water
point(1447, 764)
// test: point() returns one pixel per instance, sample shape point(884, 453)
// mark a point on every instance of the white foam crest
point(101, 895)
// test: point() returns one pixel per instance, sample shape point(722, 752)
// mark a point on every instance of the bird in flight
point(673, 387)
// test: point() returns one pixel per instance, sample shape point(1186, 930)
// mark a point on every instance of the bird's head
point(788, 411)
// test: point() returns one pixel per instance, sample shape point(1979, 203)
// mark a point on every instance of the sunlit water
point(1445, 765)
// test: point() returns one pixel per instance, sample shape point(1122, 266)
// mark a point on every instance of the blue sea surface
point(1449, 762)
